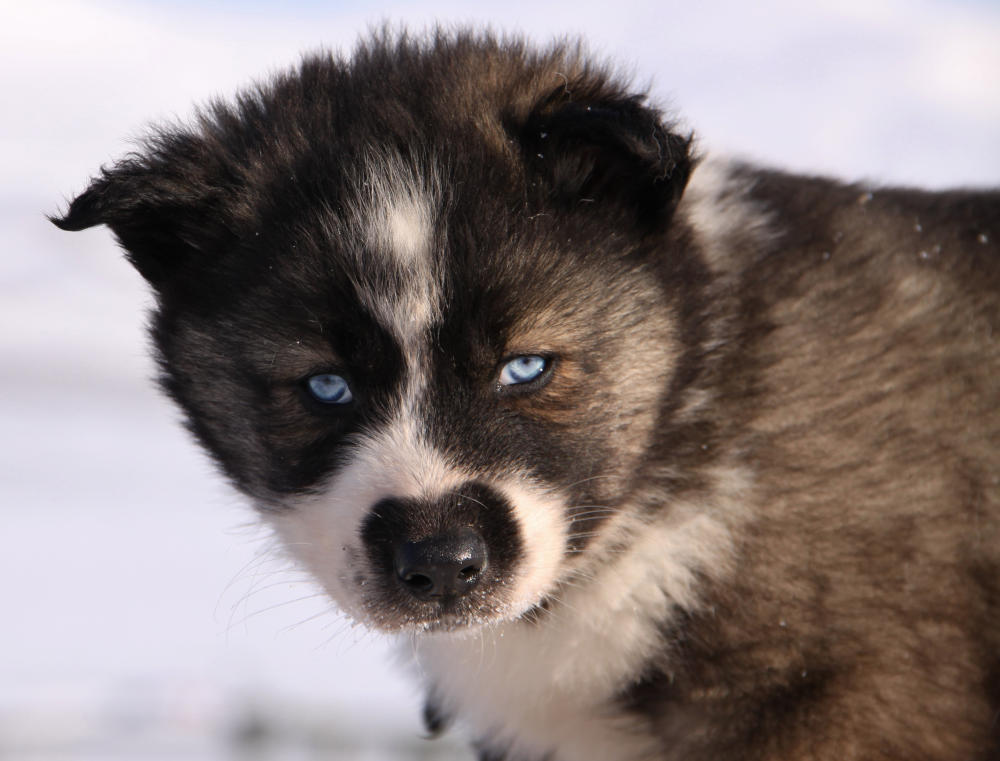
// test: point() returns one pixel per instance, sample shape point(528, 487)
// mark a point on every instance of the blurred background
point(142, 613)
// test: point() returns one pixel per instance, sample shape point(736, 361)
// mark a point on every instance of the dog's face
point(427, 341)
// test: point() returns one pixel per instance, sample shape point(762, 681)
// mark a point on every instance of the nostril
point(446, 565)
point(418, 582)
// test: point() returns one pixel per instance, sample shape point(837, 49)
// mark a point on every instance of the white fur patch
point(392, 218)
point(538, 687)
point(715, 205)
point(540, 517)
point(725, 222)
point(405, 230)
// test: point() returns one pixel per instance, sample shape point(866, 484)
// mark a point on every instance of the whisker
point(471, 499)
point(604, 550)
point(346, 627)
point(289, 582)
point(275, 606)
point(592, 478)
point(583, 535)
point(592, 515)
point(329, 609)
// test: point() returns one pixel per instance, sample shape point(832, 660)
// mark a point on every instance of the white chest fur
point(516, 688)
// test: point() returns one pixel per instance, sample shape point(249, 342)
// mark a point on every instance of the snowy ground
point(141, 614)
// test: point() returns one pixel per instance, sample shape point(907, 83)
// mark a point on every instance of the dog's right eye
point(329, 388)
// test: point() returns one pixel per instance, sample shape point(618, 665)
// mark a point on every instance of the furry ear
point(600, 146)
point(161, 207)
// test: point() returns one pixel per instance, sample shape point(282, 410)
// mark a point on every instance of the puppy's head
point(415, 306)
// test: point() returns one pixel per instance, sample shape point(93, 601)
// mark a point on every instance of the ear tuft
point(86, 210)
point(161, 209)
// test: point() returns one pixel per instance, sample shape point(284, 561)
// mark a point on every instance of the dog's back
point(863, 611)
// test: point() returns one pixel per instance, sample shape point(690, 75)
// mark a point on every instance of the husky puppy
point(651, 456)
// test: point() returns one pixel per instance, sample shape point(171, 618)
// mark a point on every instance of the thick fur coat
point(652, 456)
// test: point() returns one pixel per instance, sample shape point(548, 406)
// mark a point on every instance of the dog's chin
point(445, 617)
point(454, 625)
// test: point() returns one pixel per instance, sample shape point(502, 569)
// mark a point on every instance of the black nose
point(447, 565)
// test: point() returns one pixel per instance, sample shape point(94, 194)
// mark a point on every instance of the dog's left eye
point(523, 369)
point(329, 389)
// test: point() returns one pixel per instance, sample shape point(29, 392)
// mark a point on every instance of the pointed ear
point(606, 147)
point(161, 211)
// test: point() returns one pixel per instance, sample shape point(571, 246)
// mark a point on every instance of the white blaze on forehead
point(392, 219)
point(404, 229)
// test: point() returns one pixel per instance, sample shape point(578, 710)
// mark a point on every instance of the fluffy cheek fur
point(324, 532)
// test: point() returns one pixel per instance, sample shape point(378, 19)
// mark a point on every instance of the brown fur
point(862, 618)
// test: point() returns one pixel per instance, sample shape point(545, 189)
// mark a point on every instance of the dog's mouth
point(394, 610)
point(450, 616)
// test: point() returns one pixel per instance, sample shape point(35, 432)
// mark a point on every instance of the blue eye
point(523, 369)
point(330, 389)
